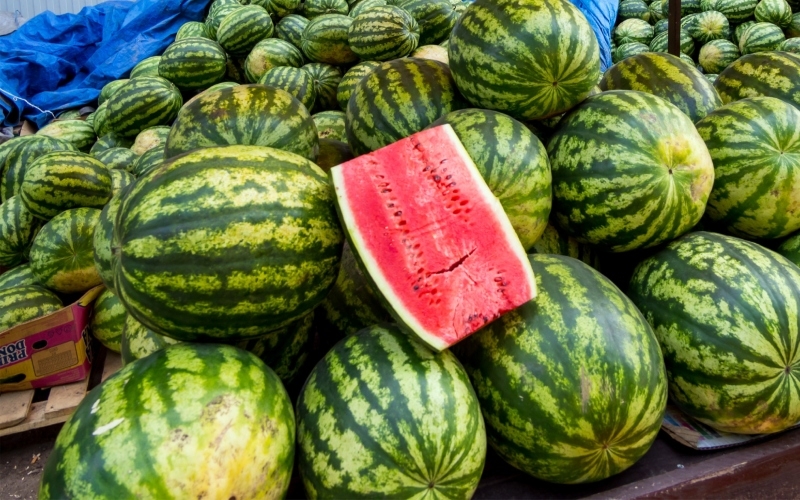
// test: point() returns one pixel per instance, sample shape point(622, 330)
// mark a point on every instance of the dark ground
point(22, 457)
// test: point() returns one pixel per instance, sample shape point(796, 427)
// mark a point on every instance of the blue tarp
point(602, 14)
point(62, 62)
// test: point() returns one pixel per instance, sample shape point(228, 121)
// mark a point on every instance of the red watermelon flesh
point(431, 236)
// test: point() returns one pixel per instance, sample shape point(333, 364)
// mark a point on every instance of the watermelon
point(278, 8)
point(688, 7)
point(756, 152)
point(660, 43)
point(251, 115)
point(656, 10)
point(190, 420)
point(408, 414)
point(290, 29)
point(76, 132)
point(61, 254)
point(191, 29)
point(495, 69)
point(193, 63)
point(109, 141)
point(148, 161)
point(285, 350)
point(717, 55)
point(633, 30)
point(572, 384)
point(102, 242)
point(294, 81)
point(23, 303)
point(109, 88)
point(326, 80)
point(725, 312)
point(641, 179)
point(736, 11)
point(397, 99)
point(364, 5)
point(706, 5)
point(143, 103)
point(711, 77)
point(138, 342)
point(469, 276)
point(352, 78)
point(63, 180)
point(216, 17)
point(268, 54)
point(661, 26)
point(22, 154)
point(707, 26)
point(557, 242)
point(774, 11)
point(740, 29)
point(117, 158)
point(793, 30)
point(16, 276)
point(435, 18)
point(258, 246)
point(773, 74)
point(513, 163)
point(100, 119)
point(108, 318)
point(18, 227)
point(634, 9)
point(791, 45)
point(627, 50)
point(325, 40)
point(433, 52)
point(665, 76)
point(243, 28)
point(149, 138)
point(330, 125)
point(352, 304)
point(332, 153)
point(761, 37)
point(383, 33)
point(789, 249)
point(146, 67)
point(120, 179)
point(316, 8)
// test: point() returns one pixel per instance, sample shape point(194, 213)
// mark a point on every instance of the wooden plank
point(34, 420)
point(64, 399)
point(112, 365)
point(14, 407)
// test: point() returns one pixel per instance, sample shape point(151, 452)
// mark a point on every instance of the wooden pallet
point(18, 412)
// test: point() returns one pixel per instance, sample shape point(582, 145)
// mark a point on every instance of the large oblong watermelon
point(571, 384)
point(188, 421)
point(725, 312)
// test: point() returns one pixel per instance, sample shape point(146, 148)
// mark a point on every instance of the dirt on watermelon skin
point(431, 238)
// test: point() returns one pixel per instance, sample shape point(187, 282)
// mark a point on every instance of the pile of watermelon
point(714, 33)
point(372, 239)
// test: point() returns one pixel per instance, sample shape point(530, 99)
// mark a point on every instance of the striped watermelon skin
point(103, 242)
point(791, 45)
point(398, 99)
point(23, 154)
point(268, 54)
point(316, 8)
point(242, 29)
point(138, 342)
point(660, 43)
point(109, 88)
point(514, 164)
point(351, 305)
point(725, 312)
point(150, 138)
point(604, 197)
point(633, 30)
point(108, 319)
point(325, 40)
point(707, 26)
point(326, 80)
point(793, 31)
point(434, 52)
point(117, 158)
point(120, 179)
point(63, 180)
point(572, 384)
point(627, 50)
point(25, 302)
point(246, 266)
point(761, 37)
point(661, 26)
point(109, 141)
point(717, 55)
point(331, 125)
point(290, 29)
point(634, 9)
point(222, 417)
point(100, 119)
point(76, 132)
point(435, 18)
point(755, 146)
point(774, 11)
point(146, 67)
point(557, 242)
point(251, 115)
point(294, 81)
point(216, 17)
point(736, 11)
point(350, 79)
point(285, 350)
point(772, 74)
point(193, 63)
point(279, 8)
point(737, 33)
point(143, 103)
point(18, 227)
point(61, 254)
point(148, 161)
point(17, 276)
point(364, 5)
point(789, 249)
point(494, 69)
point(383, 33)
point(656, 10)
point(667, 77)
point(366, 388)
point(191, 29)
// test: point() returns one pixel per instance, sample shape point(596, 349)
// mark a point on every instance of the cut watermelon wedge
point(431, 237)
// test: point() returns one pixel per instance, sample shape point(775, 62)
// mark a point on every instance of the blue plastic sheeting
point(602, 14)
point(61, 62)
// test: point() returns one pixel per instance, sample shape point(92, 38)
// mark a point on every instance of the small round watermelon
point(117, 158)
point(295, 81)
point(352, 78)
point(383, 33)
point(76, 132)
point(326, 80)
point(717, 55)
point(16, 276)
point(193, 63)
point(268, 54)
point(150, 138)
point(325, 40)
point(141, 103)
point(243, 28)
point(108, 318)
